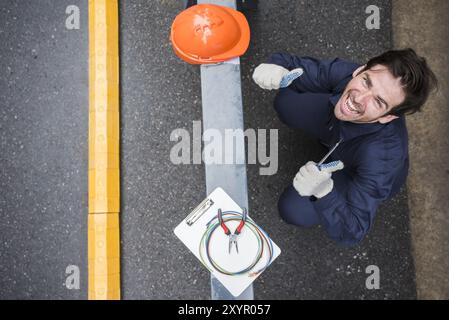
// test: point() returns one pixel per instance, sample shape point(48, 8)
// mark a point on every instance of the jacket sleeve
point(320, 76)
point(348, 217)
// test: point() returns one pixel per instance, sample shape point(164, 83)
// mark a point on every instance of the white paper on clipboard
point(247, 244)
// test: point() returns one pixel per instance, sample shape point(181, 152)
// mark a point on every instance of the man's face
point(369, 96)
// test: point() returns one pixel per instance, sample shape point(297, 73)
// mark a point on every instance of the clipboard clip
point(199, 211)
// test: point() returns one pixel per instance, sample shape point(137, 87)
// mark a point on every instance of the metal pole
point(222, 109)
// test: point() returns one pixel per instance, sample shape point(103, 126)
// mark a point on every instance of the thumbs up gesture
point(272, 77)
point(314, 180)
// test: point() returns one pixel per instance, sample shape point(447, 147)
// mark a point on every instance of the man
point(363, 108)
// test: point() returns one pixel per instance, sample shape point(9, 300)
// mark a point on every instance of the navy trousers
point(297, 210)
point(295, 110)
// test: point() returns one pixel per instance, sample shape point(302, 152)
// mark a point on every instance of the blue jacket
point(375, 155)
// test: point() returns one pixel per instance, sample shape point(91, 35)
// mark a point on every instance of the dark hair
point(417, 78)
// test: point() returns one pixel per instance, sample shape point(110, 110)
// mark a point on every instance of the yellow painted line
point(104, 155)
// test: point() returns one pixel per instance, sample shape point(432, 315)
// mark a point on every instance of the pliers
point(232, 237)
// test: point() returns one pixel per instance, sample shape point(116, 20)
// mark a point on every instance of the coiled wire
point(262, 240)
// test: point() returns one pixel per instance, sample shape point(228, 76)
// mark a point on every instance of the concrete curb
point(423, 26)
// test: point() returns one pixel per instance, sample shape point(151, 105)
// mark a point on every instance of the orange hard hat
point(207, 33)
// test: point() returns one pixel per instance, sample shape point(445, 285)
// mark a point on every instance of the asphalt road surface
point(44, 152)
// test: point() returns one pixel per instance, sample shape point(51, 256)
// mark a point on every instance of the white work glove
point(311, 181)
point(268, 76)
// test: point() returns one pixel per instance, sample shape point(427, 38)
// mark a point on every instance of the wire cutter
point(232, 237)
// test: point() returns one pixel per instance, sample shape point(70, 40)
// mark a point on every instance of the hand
point(268, 76)
point(311, 181)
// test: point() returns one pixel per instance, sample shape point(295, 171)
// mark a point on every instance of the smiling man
point(362, 108)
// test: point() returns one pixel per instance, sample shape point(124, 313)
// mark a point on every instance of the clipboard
point(191, 231)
